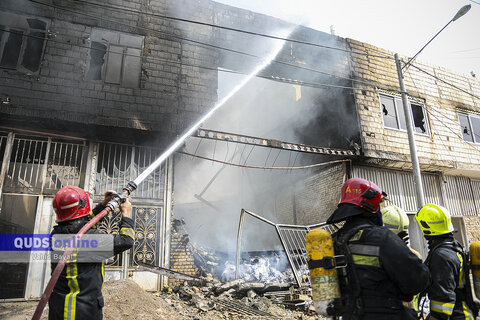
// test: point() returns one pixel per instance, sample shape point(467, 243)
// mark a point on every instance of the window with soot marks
point(22, 42)
point(115, 58)
point(394, 117)
point(470, 127)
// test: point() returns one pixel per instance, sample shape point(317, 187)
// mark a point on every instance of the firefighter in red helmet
point(78, 291)
point(380, 270)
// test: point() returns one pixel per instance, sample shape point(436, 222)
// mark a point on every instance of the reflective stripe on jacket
point(447, 290)
point(78, 291)
point(386, 269)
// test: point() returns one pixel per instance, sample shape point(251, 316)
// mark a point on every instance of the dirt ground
point(125, 300)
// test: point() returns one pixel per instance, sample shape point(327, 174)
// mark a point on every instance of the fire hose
point(111, 206)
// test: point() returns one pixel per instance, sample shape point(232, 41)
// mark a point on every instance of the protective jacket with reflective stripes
point(448, 289)
point(380, 272)
point(78, 291)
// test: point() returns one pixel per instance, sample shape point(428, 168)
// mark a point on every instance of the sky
point(399, 26)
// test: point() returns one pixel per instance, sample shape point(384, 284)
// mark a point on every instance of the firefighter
point(379, 269)
point(396, 220)
point(450, 291)
point(78, 291)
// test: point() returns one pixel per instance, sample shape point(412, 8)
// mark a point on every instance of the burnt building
point(92, 93)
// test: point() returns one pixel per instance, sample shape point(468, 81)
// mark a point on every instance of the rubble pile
point(124, 299)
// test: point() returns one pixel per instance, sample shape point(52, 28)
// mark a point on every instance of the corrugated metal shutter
point(409, 197)
point(459, 196)
point(476, 193)
point(399, 185)
point(433, 193)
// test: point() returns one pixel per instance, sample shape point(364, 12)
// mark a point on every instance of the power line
point(214, 46)
point(213, 68)
point(262, 167)
point(446, 82)
point(237, 72)
point(228, 28)
point(450, 129)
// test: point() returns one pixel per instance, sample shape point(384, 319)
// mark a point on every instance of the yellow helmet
point(434, 220)
point(395, 219)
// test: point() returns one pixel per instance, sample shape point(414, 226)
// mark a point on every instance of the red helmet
point(362, 193)
point(70, 203)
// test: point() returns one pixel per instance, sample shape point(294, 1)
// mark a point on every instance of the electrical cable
point(279, 79)
point(450, 129)
point(226, 28)
point(442, 122)
point(203, 43)
point(262, 167)
point(446, 82)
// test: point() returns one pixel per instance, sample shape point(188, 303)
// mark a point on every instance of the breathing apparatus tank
point(475, 266)
point(323, 274)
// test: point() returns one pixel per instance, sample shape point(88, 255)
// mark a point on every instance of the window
point(394, 117)
point(470, 127)
point(22, 41)
point(115, 58)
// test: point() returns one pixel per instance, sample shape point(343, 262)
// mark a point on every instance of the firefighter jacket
point(448, 289)
point(381, 272)
point(78, 291)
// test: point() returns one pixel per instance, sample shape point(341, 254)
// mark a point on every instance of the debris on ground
point(125, 300)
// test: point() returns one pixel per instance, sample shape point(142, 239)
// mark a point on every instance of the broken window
point(470, 127)
point(394, 116)
point(115, 58)
point(22, 41)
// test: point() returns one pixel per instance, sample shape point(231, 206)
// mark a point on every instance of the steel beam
point(271, 143)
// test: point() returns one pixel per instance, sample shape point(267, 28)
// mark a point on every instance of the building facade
point(92, 93)
point(444, 110)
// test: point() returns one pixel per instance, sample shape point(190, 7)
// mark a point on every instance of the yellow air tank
point(475, 266)
point(324, 282)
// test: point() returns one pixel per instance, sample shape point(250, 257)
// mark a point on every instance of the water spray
point(132, 185)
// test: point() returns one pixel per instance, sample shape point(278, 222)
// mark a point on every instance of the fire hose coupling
point(119, 199)
point(129, 188)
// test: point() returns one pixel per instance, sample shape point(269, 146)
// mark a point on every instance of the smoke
point(209, 196)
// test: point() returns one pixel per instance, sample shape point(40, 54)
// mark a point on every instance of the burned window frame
point(475, 135)
point(398, 105)
point(106, 41)
point(15, 23)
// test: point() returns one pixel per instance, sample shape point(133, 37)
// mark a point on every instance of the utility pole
point(406, 109)
point(411, 138)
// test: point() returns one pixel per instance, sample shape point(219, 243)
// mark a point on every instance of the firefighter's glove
point(108, 196)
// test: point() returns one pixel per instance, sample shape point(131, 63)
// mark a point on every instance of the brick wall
point(171, 95)
point(181, 258)
point(444, 148)
point(311, 200)
point(472, 225)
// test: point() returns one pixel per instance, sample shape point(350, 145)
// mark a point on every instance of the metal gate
point(32, 167)
point(292, 238)
point(115, 166)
